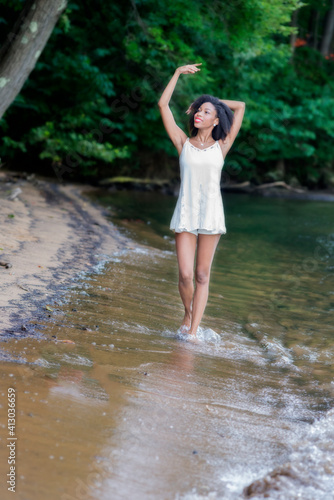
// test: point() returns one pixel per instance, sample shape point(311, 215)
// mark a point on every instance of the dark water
point(130, 411)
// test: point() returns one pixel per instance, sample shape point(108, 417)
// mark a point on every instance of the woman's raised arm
point(176, 134)
point(238, 107)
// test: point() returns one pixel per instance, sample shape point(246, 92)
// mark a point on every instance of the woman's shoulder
point(185, 142)
point(225, 141)
point(224, 145)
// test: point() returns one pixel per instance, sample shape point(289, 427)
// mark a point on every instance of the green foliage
point(15, 5)
point(91, 102)
point(289, 116)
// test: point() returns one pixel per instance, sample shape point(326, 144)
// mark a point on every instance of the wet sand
point(48, 234)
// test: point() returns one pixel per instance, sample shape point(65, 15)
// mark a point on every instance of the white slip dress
point(200, 205)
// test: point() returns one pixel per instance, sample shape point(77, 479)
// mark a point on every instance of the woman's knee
point(186, 276)
point(202, 276)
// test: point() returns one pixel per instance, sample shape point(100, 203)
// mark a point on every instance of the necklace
point(205, 142)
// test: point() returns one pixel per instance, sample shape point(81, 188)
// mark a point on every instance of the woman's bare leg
point(206, 247)
point(185, 250)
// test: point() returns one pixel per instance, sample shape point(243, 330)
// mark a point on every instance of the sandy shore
point(48, 234)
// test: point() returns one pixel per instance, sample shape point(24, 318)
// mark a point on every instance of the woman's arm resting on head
point(239, 110)
point(176, 134)
point(234, 105)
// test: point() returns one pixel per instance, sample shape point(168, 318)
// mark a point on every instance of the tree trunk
point(316, 29)
point(280, 167)
point(328, 33)
point(24, 45)
point(293, 36)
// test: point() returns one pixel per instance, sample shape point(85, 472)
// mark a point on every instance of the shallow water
point(131, 410)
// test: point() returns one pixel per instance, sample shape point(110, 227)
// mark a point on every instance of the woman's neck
point(203, 139)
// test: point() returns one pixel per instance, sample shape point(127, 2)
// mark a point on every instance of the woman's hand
point(188, 69)
point(189, 110)
point(177, 136)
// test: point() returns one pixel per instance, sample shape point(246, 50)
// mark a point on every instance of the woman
point(198, 219)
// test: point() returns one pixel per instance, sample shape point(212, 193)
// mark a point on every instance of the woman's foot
point(192, 334)
point(186, 323)
point(192, 338)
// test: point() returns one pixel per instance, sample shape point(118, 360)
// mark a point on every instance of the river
point(127, 409)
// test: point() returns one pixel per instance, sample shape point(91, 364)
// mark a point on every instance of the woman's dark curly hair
point(224, 114)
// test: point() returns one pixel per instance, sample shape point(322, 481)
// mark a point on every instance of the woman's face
point(206, 116)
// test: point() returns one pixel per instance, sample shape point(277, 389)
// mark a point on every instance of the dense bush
point(89, 107)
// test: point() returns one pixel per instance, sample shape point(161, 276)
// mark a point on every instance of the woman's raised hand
point(189, 69)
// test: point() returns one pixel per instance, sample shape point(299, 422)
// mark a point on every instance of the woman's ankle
point(192, 331)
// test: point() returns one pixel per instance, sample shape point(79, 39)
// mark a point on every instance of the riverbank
point(48, 234)
point(108, 392)
point(277, 189)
